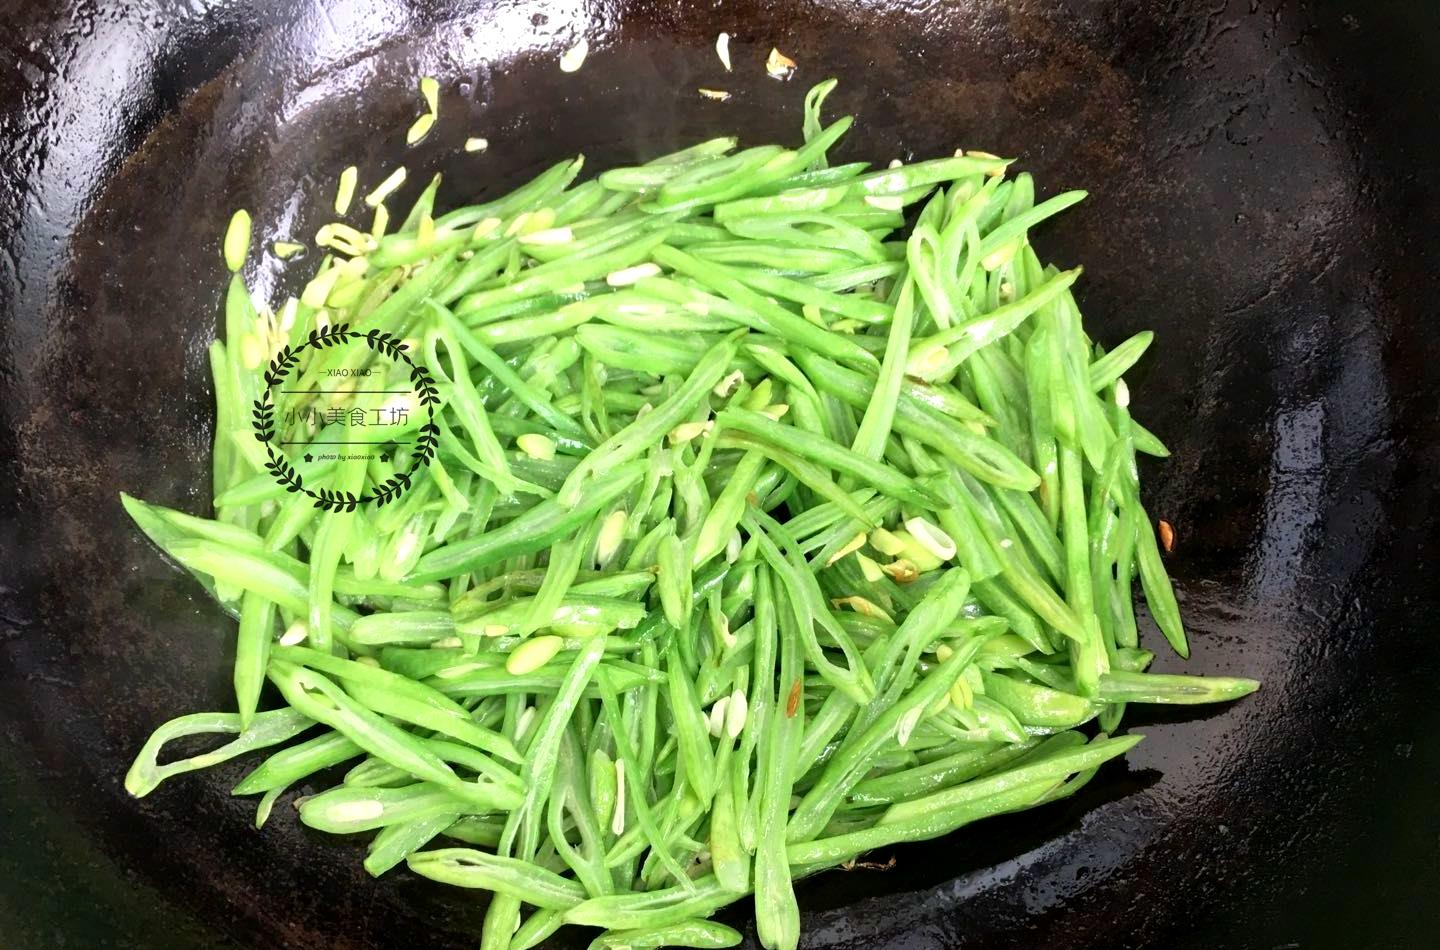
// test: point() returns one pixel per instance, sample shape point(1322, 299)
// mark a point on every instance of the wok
point(1263, 193)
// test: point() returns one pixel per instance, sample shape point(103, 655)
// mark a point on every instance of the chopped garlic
point(885, 202)
point(612, 533)
point(931, 538)
point(548, 236)
point(861, 606)
point(617, 818)
point(779, 66)
point(901, 571)
point(851, 546)
point(727, 385)
point(345, 191)
point(395, 180)
point(536, 446)
point(736, 713)
point(626, 276)
point(688, 431)
point(420, 128)
point(776, 411)
point(430, 91)
point(574, 57)
point(715, 722)
point(532, 654)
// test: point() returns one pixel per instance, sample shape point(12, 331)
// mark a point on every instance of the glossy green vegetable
point(760, 531)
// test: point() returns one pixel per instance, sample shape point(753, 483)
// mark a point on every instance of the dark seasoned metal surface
point(1262, 192)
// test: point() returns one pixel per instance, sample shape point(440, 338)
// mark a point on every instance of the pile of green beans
point(781, 511)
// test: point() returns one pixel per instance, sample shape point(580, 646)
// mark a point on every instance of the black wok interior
point(1263, 192)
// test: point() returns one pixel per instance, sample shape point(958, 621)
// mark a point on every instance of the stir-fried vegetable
point(760, 532)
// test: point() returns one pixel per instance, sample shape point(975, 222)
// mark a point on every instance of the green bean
point(265, 729)
point(983, 457)
point(397, 696)
point(252, 645)
point(321, 700)
point(821, 230)
point(822, 451)
point(522, 880)
point(727, 854)
point(536, 929)
point(777, 914)
point(724, 515)
point(531, 396)
point(542, 525)
point(1159, 594)
point(661, 354)
point(879, 416)
point(636, 777)
point(853, 306)
point(565, 272)
point(851, 762)
point(571, 802)
point(980, 759)
point(937, 356)
point(632, 441)
point(760, 529)
point(346, 810)
point(705, 934)
point(777, 257)
point(759, 313)
point(1054, 766)
point(388, 317)
point(1147, 442)
point(1110, 367)
point(534, 193)
point(647, 910)
point(1016, 226)
point(543, 749)
point(510, 617)
point(1038, 705)
point(290, 765)
point(811, 474)
point(813, 177)
point(971, 546)
point(808, 607)
point(397, 842)
point(1120, 686)
point(375, 772)
point(408, 627)
point(255, 571)
point(657, 172)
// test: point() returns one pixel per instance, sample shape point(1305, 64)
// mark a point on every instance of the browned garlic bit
point(780, 66)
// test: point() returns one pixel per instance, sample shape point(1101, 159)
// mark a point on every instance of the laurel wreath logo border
point(280, 467)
